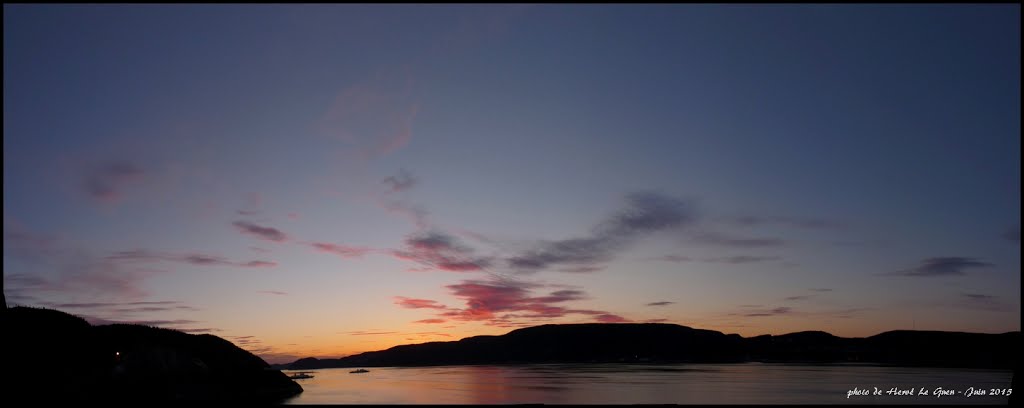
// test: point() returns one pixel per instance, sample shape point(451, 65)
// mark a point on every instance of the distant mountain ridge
point(671, 343)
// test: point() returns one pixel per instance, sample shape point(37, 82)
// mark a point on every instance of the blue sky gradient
point(330, 179)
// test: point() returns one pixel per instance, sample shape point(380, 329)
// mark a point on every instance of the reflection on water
point(647, 384)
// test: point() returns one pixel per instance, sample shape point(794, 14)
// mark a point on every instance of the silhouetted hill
point(54, 356)
point(670, 343)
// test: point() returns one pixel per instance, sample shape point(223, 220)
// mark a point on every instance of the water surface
point(647, 384)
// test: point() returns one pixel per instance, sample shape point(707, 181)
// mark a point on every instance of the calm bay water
point(648, 384)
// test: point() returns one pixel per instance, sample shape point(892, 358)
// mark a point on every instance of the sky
point(324, 180)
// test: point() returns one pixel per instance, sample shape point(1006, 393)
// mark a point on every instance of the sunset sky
point(322, 180)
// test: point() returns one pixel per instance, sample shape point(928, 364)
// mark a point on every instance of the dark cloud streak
point(267, 233)
point(441, 251)
point(645, 213)
point(941, 266)
point(790, 221)
point(106, 181)
point(142, 255)
point(770, 312)
point(401, 182)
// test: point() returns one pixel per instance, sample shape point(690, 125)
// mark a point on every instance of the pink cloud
point(342, 250)
point(369, 333)
point(611, 318)
point(410, 303)
point(431, 321)
point(506, 304)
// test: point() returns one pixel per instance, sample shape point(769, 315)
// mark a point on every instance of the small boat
point(359, 371)
point(300, 376)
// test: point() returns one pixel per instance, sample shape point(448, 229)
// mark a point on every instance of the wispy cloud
point(259, 264)
point(431, 321)
point(741, 259)
point(106, 181)
point(983, 302)
point(273, 292)
point(737, 259)
point(821, 290)
point(94, 320)
point(253, 204)
point(675, 258)
point(441, 251)
point(789, 221)
point(404, 180)
point(22, 243)
point(100, 305)
point(267, 233)
point(769, 312)
point(142, 255)
point(645, 212)
point(476, 28)
point(77, 271)
point(415, 213)
point(732, 241)
point(159, 323)
point(567, 251)
point(940, 266)
point(582, 269)
point(847, 313)
point(101, 313)
point(798, 297)
point(373, 117)
point(150, 309)
point(201, 330)
point(343, 251)
point(661, 303)
point(369, 333)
